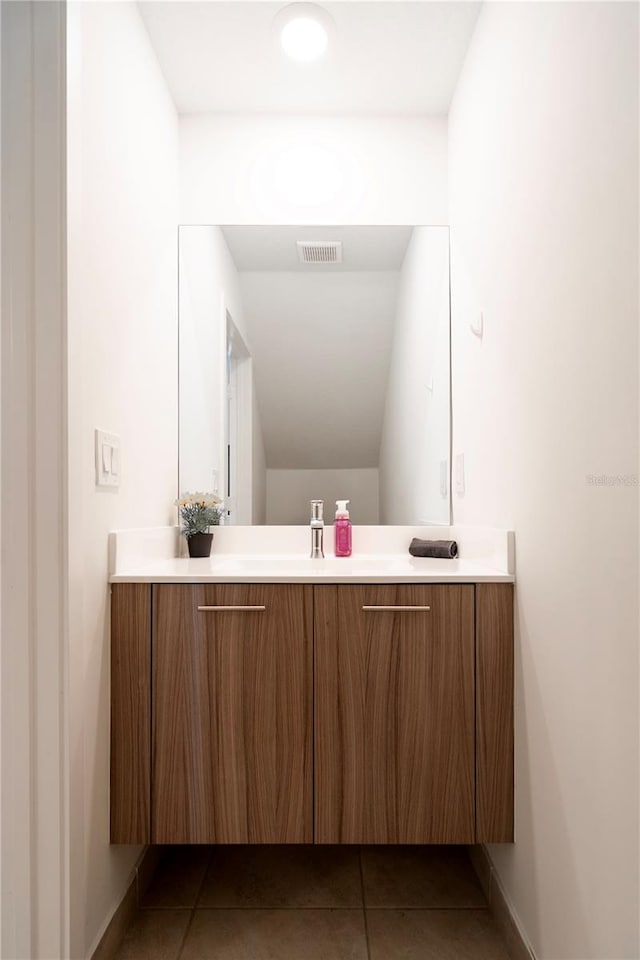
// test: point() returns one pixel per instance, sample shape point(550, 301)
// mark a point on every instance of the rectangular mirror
point(315, 364)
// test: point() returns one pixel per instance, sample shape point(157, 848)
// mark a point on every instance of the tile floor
point(313, 903)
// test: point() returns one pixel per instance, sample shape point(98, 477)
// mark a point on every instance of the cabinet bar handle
point(222, 609)
point(395, 608)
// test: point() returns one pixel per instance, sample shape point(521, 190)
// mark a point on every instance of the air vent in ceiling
point(320, 251)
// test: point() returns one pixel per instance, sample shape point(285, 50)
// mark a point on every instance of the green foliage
point(199, 511)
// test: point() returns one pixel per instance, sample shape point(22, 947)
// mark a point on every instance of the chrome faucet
point(317, 529)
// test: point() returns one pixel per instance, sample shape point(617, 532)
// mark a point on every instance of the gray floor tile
point(283, 876)
point(179, 876)
point(433, 935)
point(276, 935)
point(420, 877)
point(155, 935)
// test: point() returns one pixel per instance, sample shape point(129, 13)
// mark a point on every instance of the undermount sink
point(329, 565)
point(294, 560)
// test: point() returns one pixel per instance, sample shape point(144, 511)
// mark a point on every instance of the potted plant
point(199, 511)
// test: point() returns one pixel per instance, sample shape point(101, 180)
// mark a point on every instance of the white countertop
point(281, 555)
point(281, 568)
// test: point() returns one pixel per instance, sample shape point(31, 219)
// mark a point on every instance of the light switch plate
point(107, 455)
point(460, 474)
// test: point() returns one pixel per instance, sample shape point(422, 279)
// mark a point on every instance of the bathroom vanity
point(371, 703)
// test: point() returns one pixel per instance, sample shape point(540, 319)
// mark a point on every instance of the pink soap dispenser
point(342, 530)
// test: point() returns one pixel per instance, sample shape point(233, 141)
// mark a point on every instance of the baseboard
point(125, 911)
point(502, 911)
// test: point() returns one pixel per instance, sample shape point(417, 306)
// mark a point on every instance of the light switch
point(107, 456)
point(460, 474)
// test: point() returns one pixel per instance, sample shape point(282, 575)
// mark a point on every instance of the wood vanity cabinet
point(231, 714)
point(211, 714)
point(295, 713)
point(394, 714)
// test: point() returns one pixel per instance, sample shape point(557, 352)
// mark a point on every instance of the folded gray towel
point(442, 549)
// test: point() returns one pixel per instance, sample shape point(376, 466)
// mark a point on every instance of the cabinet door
point(394, 706)
point(231, 714)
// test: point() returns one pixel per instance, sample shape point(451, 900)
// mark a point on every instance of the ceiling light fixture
point(304, 30)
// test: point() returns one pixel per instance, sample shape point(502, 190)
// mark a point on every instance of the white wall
point(209, 289)
point(321, 170)
point(543, 147)
point(289, 493)
point(122, 274)
point(415, 433)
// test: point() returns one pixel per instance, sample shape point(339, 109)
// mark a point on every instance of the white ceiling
point(387, 57)
point(321, 346)
point(274, 247)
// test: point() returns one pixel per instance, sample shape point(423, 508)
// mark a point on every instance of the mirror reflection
point(314, 364)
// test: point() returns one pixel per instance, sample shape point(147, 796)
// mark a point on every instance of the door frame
point(238, 423)
point(34, 783)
